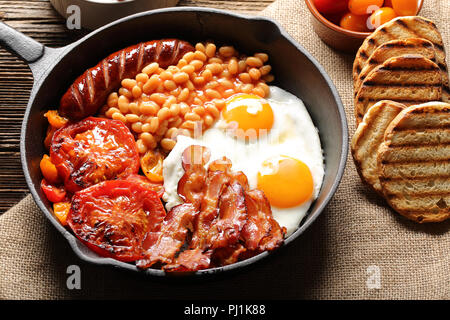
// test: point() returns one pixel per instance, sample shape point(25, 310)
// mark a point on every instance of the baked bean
point(192, 116)
point(163, 114)
point(184, 94)
point(123, 103)
point(228, 93)
point(170, 85)
point(200, 47)
point(197, 64)
point(264, 57)
point(269, 78)
point(233, 66)
point(136, 92)
point(265, 69)
point(207, 74)
point(181, 63)
point(209, 120)
point(180, 77)
point(184, 108)
point(247, 88)
point(210, 50)
point(245, 77)
point(128, 83)
point(212, 109)
point(168, 144)
point(227, 51)
point(188, 69)
point(220, 103)
point(199, 110)
point(171, 133)
point(148, 108)
point(151, 84)
point(190, 85)
point(174, 109)
point(198, 81)
point(132, 118)
point(242, 66)
point(151, 68)
point(215, 68)
point(166, 75)
point(147, 138)
point(125, 92)
point(199, 55)
point(254, 62)
point(111, 111)
point(254, 73)
point(137, 127)
point(215, 60)
point(259, 92)
point(119, 116)
point(142, 148)
point(189, 56)
point(173, 69)
point(142, 77)
point(159, 98)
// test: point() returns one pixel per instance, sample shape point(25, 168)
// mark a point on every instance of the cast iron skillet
point(294, 68)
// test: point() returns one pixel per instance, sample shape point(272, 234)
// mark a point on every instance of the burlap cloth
point(357, 249)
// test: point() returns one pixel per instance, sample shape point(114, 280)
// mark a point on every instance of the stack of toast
point(401, 147)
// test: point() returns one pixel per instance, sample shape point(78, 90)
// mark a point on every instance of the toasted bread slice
point(404, 28)
point(392, 49)
point(368, 137)
point(414, 162)
point(408, 79)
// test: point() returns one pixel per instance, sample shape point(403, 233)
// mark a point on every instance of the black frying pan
point(294, 68)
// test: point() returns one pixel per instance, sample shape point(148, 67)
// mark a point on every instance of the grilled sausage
point(89, 91)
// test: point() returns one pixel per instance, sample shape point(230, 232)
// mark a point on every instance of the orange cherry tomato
point(405, 7)
point(152, 166)
point(49, 170)
point(381, 16)
point(61, 210)
point(354, 22)
point(361, 7)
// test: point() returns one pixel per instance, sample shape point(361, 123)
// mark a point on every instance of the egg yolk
point(252, 114)
point(287, 182)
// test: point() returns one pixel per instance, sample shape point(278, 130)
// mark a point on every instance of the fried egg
point(273, 141)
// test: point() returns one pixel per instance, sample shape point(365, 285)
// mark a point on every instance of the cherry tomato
point(61, 210)
point(331, 6)
point(93, 150)
point(405, 7)
point(387, 3)
point(158, 187)
point(361, 7)
point(113, 218)
point(53, 193)
point(152, 166)
point(381, 16)
point(354, 22)
point(49, 170)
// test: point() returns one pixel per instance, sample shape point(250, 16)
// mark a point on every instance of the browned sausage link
point(89, 91)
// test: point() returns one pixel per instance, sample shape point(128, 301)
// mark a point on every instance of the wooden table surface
point(39, 20)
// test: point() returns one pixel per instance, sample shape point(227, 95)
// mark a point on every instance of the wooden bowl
point(333, 35)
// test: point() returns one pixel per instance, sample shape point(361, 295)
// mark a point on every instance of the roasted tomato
point(93, 150)
point(113, 218)
point(52, 192)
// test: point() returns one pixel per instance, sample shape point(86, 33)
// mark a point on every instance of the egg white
point(293, 134)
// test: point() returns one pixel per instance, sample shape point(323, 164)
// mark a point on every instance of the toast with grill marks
point(392, 49)
point(414, 162)
point(368, 137)
point(404, 28)
point(408, 79)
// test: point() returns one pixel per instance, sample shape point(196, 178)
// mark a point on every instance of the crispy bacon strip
point(261, 231)
point(228, 255)
point(162, 246)
point(231, 219)
point(190, 260)
point(215, 184)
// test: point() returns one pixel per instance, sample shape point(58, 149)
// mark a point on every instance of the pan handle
point(26, 48)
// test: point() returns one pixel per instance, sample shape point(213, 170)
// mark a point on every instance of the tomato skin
point(113, 218)
point(382, 16)
point(354, 22)
point(53, 193)
point(331, 6)
point(405, 7)
point(362, 7)
point(93, 150)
